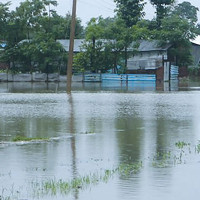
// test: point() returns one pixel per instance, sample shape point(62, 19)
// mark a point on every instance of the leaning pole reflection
point(73, 142)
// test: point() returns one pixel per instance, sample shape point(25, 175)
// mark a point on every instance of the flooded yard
point(137, 142)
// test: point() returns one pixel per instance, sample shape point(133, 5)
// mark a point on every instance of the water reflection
point(96, 131)
point(18, 87)
point(131, 86)
point(71, 126)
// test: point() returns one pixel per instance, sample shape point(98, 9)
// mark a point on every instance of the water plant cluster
point(180, 156)
point(181, 144)
point(55, 187)
point(161, 159)
point(20, 138)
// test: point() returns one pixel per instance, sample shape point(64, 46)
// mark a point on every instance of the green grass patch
point(20, 138)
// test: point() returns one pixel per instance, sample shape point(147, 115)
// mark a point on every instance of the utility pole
point(71, 48)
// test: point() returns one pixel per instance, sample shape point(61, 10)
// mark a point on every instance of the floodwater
point(98, 128)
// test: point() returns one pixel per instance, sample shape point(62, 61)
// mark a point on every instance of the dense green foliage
point(178, 28)
point(179, 37)
point(161, 9)
point(130, 11)
point(30, 33)
point(105, 54)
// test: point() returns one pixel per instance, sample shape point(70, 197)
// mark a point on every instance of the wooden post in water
point(71, 48)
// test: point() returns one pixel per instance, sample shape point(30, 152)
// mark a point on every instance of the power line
point(109, 3)
point(99, 5)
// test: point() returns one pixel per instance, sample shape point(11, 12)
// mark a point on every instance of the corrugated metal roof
point(196, 40)
point(77, 44)
point(152, 45)
point(144, 45)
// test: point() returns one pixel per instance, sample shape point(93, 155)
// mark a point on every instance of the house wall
point(37, 77)
point(146, 60)
point(196, 54)
point(3, 66)
point(160, 74)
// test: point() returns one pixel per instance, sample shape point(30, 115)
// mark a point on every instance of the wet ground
point(96, 129)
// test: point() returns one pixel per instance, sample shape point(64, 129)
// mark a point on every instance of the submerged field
point(99, 144)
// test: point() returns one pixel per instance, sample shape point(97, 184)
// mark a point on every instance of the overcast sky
point(86, 9)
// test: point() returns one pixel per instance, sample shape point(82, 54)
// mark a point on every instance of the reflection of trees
point(168, 133)
point(130, 138)
point(30, 127)
point(161, 129)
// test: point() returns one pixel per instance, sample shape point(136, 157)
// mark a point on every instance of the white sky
point(86, 9)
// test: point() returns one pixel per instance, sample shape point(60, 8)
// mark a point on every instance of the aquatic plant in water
point(128, 169)
point(162, 159)
point(197, 148)
point(52, 186)
point(20, 138)
point(178, 159)
point(181, 145)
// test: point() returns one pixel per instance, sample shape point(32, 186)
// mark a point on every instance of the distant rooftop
point(77, 44)
point(144, 45)
point(196, 40)
point(152, 45)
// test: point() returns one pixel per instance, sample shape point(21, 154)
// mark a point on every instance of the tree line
point(32, 29)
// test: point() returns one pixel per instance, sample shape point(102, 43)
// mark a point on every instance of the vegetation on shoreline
point(31, 30)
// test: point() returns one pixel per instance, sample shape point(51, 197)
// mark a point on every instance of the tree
point(59, 26)
point(93, 32)
point(29, 14)
point(178, 27)
point(4, 17)
point(178, 32)
point(10, 56)
point(123, 40)
point(95, 55)
point(112, 51)
point(120, 37)
point(131, 11)
point(102, 55)
point(161, 9)
point(46, 52)
point(187, 11)
point(31, 34)
point(22, 24)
